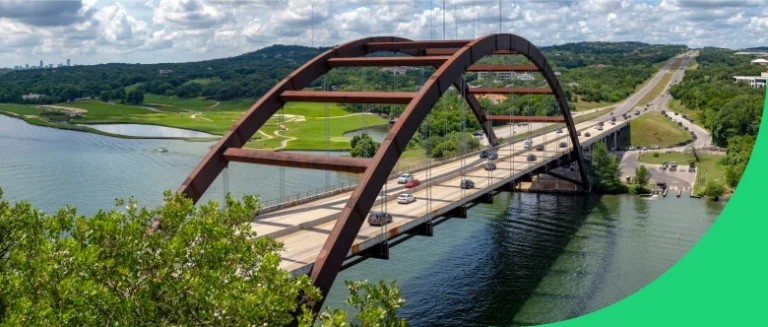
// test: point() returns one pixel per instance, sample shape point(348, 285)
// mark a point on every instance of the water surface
point(147, 130)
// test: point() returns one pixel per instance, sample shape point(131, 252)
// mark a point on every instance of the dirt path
point(214, 105)
point(70, 109)
point(287, 139)
point(194, 116)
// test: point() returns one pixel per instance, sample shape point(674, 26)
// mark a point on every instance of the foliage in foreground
point(604, 172)
point(640, 182)
point(714, 190)
point(203, 266)
point(363, 146)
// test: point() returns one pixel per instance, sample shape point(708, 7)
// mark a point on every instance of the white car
point(405, 198)
point(405, 178)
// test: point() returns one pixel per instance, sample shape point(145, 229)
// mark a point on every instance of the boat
point(162, 150)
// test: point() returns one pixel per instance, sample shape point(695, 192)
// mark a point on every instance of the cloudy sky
point(151, 31)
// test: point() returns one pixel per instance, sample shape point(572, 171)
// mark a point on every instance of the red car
point(413, 183)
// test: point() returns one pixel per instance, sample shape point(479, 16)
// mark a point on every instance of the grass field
point(676, 106)
point(654, 129)
point(584, 105)
point(310, 134)
point(708, 167)
point(656, 90)
point(692, 64)
point(676, 64)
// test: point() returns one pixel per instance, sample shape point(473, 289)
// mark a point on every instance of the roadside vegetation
point(202, 266)
point(731, 111)
point(675, 106)
point(604, 172)
point(656, 91)
point(653, 128)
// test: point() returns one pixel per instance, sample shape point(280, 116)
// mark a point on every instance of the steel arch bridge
point(451, 59)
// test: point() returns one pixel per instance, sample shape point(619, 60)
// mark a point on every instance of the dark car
point(685, 128)
point(663, 112)
point(378, 218)
point(531, 157)
point(467, 184)
point(587, 134)
point(540, 147)
point(489, 166)
point(679, 123)
point(661, 185)
point(613, 118)
point(477, 133)
point(484, 154)
point(492, 155)
point(563, 144)
point(578, 133)
point(559, 130)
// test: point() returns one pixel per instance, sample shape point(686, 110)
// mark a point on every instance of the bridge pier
point(380, 251)
point(458, 212)
point(486, 198)
point(426, 229)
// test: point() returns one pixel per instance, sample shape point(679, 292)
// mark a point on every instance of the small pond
point(147, 130)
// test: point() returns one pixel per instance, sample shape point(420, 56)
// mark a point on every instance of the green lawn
point(708, 167)
point(179, 103)
point(310, 134)
point(692, 64)
point(309, 109)
point(656, 90)
point(654, 129)
point(676, 106)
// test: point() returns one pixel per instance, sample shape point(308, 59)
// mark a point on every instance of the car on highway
point(531, 157)
point(467, 184)
point(493, 155)
point(637, 112)
point(406, 198)
point(563, 144)
point(664, 165)
point(679, 123)
point(599, 128)
point(378, 218)
point(587, 134)
point(559, 130)
point(412, 183)
point(405, 178)
point(489, 166)
point(540, 147)
point(613, 122)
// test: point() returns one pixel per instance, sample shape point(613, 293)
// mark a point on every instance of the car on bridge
point(540, 147)
point(599, 128)
point(493, 155)
point(467, 184)
point(405, 178)
point(405, 198)
point(487, 152)
point(587, 134)
point(379, 218)
point(578, 133)
point(563, 144)
point(531, 157)
point(559, 130)
point(412, 183)
point(489, 166)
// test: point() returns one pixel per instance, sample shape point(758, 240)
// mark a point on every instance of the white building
point(759, 61)
point(753, 81)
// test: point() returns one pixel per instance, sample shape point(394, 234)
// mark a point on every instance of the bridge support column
point(486, 198)
point(380, 251)
point(458, 212)
point(616, 140)
point(426, 229)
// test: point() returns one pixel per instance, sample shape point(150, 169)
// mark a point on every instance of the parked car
point(378, 218)
point(467, 184)
point(679, 123)
point(405, 178)
point(587, 134)
point(631, 148)
point(637, 112)
point(676, 114)
point(663, 112)
point(531, 157)
point(673, 166)
point(645, 148)
point(664, 165)
point(489, 166)
point(563, 144)
point(654, 147)
point(692, 167)
point(685, 128)
point(493, 155)
point(412, 183)
point(406, 198)
point(477, 133)
point(540, 147)
point(661, 185)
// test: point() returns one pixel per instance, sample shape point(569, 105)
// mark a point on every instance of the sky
point(155, 31)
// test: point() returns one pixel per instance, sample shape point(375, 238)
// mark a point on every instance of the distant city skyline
point(156, 31)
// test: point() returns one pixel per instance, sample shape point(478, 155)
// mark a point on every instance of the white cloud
point(182, 30)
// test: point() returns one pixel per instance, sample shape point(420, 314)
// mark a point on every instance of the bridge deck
point(304, 228)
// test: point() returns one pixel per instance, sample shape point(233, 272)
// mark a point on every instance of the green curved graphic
point(722, 281)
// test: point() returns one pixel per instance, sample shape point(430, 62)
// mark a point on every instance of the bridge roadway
point(304, 228)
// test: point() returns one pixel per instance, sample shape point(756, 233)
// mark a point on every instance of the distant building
point(27, 67)
point(499, 76)
point(753, 53)
point(759, 61)
point(573, 84)
point(68, 62)
point(557, 74)
point(395, 70)
point(525, 77)
point(60, 65)
point(165, 72)
point(31, 96)
point(753, 81)
point(494, 98)
point(41, 64)
point(50, 65)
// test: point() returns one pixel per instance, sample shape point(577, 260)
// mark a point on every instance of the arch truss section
point(451, 60)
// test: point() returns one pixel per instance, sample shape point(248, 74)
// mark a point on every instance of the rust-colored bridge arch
point(451, 59)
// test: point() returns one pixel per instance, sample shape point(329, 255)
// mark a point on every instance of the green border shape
point(722, 281)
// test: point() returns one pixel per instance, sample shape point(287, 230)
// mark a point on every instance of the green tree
point(604, 173)
point(202, 265)
point(105, 96)
point(134, 97)
point(363, 146)
point(376, 306)
point(119, 94)
point(714, 189)
point(642, 176)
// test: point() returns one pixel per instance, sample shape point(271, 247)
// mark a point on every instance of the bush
point(655, 154)
point(714, 189)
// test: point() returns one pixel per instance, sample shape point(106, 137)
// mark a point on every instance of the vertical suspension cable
point(456, 18)
point(431, 19)
point(499, 16)
point(225, 184)
point(443, 19)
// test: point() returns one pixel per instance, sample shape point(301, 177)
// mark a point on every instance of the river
point(525, 259)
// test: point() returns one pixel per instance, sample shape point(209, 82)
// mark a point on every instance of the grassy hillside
point(654, 129)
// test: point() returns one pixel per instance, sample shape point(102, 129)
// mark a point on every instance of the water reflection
point(147, 130)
